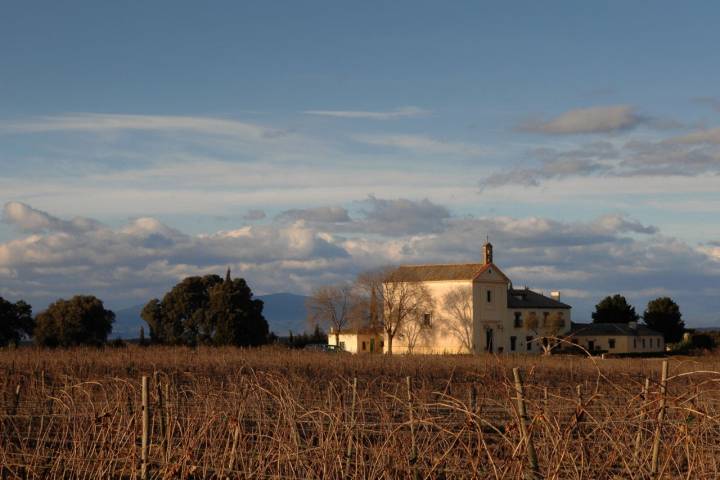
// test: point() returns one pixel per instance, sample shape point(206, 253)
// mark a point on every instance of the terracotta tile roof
point(426, 273)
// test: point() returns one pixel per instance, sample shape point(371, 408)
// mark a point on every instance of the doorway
point(489, 340)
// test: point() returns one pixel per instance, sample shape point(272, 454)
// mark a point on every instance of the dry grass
point(218, 413)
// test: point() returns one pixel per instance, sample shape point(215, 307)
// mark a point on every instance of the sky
point(300, 143)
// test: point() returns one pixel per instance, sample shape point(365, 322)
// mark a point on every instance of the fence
point(264, 425)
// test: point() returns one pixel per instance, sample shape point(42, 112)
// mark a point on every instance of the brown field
point(272, 413)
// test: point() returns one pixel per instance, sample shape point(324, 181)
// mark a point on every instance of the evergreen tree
point(82, 320)
point(614, 309)
point(236, 317)
point(663, 315)
point(16, 322)
point(179, 318)
point(207, 310)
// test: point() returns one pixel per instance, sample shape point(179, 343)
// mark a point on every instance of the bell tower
point(487, 252)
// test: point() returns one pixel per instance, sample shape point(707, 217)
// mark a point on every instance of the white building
point(474, 309)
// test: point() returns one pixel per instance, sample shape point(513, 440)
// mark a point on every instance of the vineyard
point(272, 413)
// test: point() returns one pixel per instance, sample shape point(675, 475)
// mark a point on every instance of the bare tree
point(532, 322)
point(397, 300)
point(369, 288)
point(554, 325)
point(331, 306)
point(458, 305)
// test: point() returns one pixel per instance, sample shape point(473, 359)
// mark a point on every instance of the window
point(518, 320)
point(382, 343)
point(342, 345)
point(363, 346)
point(561, 319)
point(643, 342)
point(634, 342)
point(489, 296)
point(591, 345)
point(545, 318)
point(427, 320)
point(658, 343)
point(513, 343)
point(529, 343)
point(611, 343)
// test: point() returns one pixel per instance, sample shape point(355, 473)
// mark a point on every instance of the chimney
point(555, 295)
point(633, 325)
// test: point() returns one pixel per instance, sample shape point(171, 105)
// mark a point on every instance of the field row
point(277, 414)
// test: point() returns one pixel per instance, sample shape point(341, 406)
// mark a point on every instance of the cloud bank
point(692, 155)
point(144, 257)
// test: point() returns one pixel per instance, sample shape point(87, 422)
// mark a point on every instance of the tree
point(532, 322)
point(663, 315)
point(703, 341)
point(234, 317)
point(554, 323)
point(398, 300)
point(614, 309)
point(207, 310)
point(331, 306)
point(458, 303)
point(82, 320)
point(178, 318)
point(16, 322)
point(304, 339)
point(415, 328)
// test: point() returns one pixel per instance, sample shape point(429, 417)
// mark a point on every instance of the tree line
point(211, 310)
point(206, 310)
point(662, 315)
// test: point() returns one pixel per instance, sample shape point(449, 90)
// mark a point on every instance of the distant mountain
point(283, 311)
point(128, 322)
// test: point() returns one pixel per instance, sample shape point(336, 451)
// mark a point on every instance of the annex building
point(617, 338)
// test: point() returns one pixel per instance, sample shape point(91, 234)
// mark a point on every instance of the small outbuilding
point(358, 340)
point(618, 338)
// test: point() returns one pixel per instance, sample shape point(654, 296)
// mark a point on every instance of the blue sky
point(301, 142)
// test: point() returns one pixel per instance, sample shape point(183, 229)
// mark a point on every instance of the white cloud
point(621, 224)
point(706, 136)
point(397, 217)
point(99, 122)
point(28, 219)
point(602, 119)
point(422, 144)
point(634, 158)
point(403, 112)
point(317, 214)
